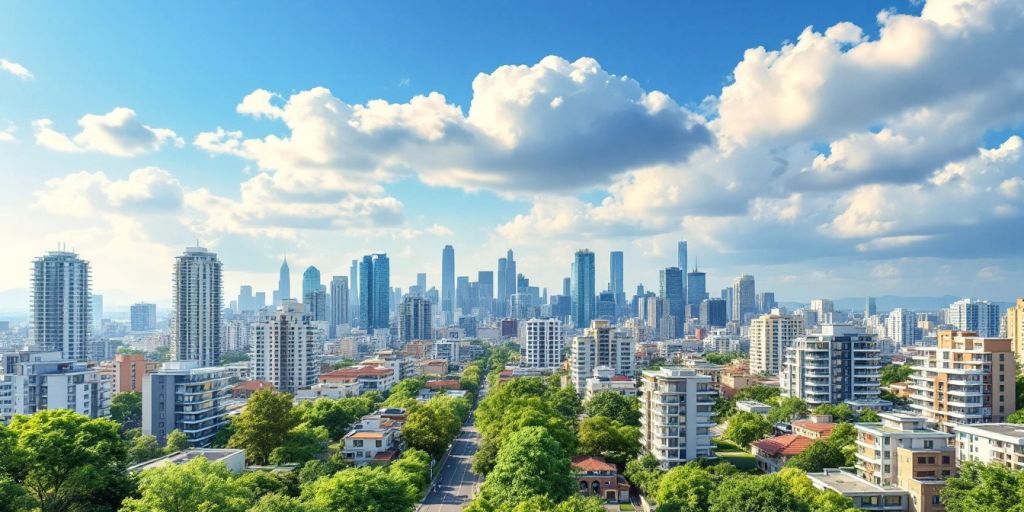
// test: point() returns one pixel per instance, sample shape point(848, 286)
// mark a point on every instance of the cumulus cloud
point(117, 133)
point(7, 133)
point(149, 189)
point(16, 69)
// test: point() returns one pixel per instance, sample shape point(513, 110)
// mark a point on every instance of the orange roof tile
point(821, 428)
point(252, 385)
point(591, 463)
point(784, 446)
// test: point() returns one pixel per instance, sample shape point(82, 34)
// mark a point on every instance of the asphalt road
point(456, 485)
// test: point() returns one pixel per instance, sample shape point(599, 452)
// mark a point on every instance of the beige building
point(600, 345)
point(965, 379)
point(1015, 328)
point(769, 336)
point(675, 415)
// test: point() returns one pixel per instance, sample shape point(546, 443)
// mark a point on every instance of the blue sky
point(821, 164)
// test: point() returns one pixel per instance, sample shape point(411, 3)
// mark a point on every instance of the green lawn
point(626, 507)
point(733, 454)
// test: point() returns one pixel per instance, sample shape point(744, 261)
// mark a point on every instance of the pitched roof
point(784, 446)
point(356, 371)
point(442, 384)
point(590, 463)
point(822, 428)
point(252, 385)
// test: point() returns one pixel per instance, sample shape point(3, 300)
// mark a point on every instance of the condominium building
point(600, 345)
point(542, 340)
point(414, 319)
point(978, 316)
point(32, 381)
point(61, 305)
point(1015, 328)
point(143, 316)
point(285, 348)
point(604, 379)
point(675, 415)
point(988, 443)
point(964, 379)
point(841, 363)
point(184, 396)
point(130, 372)
point(196, 319)
point(901, 327)
point(770, 336)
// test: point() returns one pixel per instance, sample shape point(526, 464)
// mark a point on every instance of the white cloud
point(117, 132)
point(7, 133)
point(15, 69)
point(149, 189)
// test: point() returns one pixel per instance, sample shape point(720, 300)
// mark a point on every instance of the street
point(456, 484)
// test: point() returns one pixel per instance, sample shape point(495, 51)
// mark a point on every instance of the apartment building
point(32, 381)
point(130, 371)
point(988, 443)
point(600, 345)
point(964, 379)
point(841, 363)
point(285, 348)
point(183, 396)
point(542, 340)
point(675, 415)
point(877, 445)
point(770, 336)
point(604, 379)
point(375, 438)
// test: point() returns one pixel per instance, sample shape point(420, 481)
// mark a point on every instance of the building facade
point(842, 363)
point(978, 316)
point(600, 345)
point(33, 381)
point(415, 319)
point(285, 348)
point(770, 336)
point(675, 415)
point(543, 340)
point(197, 301)
point(583, 289)
point(143, 317)
point(61, 305)
point(183, 396)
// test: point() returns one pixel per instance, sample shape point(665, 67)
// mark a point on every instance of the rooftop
point(784, 446)
point(182, 457)
point(1005, 430)
point(590, 463)
point(847, 483)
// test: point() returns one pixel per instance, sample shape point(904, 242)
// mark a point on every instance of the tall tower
point(374, 292)
point(615, 284)
point(286, 348)
point(671, 291)
point(61, 307)
point(339, 304)
point(353, 293)
point(196, 320)
point(743, 303)
point(683, 265)
point(284, 284)
point(583, 292)
point(696, 292)
point(448, 284)
point(310, 282)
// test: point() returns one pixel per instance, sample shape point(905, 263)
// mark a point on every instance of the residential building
point(770, 336)
point(744, 305)
point(675, 415)
point(285, 348)
point(143, 317)
point(753, 406)
point(672, 291)
point(184, 396)
point(865, 495)
point(774, 452)
point(901, 327)
point(824, 309)
point(600, 345)
point(838, 364)
point(542, 340)
point(233, 458)
point(964, 379)
point(33, 381)
point(815, 427)
point(1015, 329)
point(61, 307)
point(978, 316)
point(414, 319)
point(877, 444)
point(236, 336)
point(595, 477)
point(197, 308)
point(991, 443)
point(130, 372)
point(605, 379)
point(375, 438)
point(583, 289)
point(448, 350)
point(370, 378)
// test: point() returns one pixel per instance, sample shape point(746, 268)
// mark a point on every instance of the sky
point(831, 149)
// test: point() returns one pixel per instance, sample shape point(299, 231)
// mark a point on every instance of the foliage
point(644, 474)
point(260, 483)
point(868, 416)
point(126, 409)
point(197, 485)
point(471, 378)
point(176, 441)
point(787, 409)
point(432, 426)
point(685, 488)
point(896, 373)
point(721, 357)
point(767, 493)
point(764, 394)
point(1017, 417)
point(404, 392)
point(233, 356)
point(620, 408)
point(413, 467)
point(610, 439)
point(365, 489)
point(843, 437)
point(566, 403)
point(530, 462)
point(747, 427)
point(811, 498)
point(264, 425)
point(143, 448)
point(984, 488)
point(303, 443)
point(894, 398)
point(344, 363)
point(841, 413)
point(334, 415)
point(281, 503)
point(817, 457)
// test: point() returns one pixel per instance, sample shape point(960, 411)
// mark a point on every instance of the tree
point(529, 462)
point(260, 483)
point(264, 425)
point(813, 499)
point(686, 488)
point(431, 427)
point(767, 493)
point(1017, 416)
point(126, 409)
point(644, 474)
point(612, 405)
point(176, 441)
point(13, 497)
point(365, 489)
point(303, 443)
point(65, 460)
point(334, 415)
point(843, 437)
point(868, 416)
point(817, 457)
point(198, 485)
point(721, 357)
point(405, 391)
point(615, 442)
point(144, 448)
point(747, 427)
point(984, 488)
point(281, 503)
point(566, 402)
point(413, 467)
point(760, 392)
point(841, 413)
point(896, 373)
point(787, 409)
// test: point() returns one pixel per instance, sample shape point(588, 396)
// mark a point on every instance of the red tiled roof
point(386, 456)
point(784, 446)
point(620, 378)
point(442, 384)
point(252, 385)
point(367, 371)
point(822, 428)
point(590, 463)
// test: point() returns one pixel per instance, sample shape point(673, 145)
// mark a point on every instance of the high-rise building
point(683, 264)
point(765, 302)
point(675, 415)
point(870, 309)
point(236, 335)
point(824, 308)
point(339, 304)
point(901, 327)
point(61, 305)
point(743, 303)
point(600, 345)
point(964, 379)
point(1015, 329)
point(310, 281)
point(205, 390)
point(841, 363)
point(567, 286)
point(542, 340)
point(97, 313)
point(978, 316)
point(485, 291)
point(143, 317)
point(245, 298)
point(197, 308)
point(32, 381)
point(464, 299)
point(421, 281)
point(770, 336)
point(583, 291)
point(448, 284)
point(696, 292)
point(374, 292)
point(415, 319)
point(285, 348)
point(130, 372)
point(316, 304)
point(713, 313)
point(615, 283)
point(353, 293)
point(671, 291)
point(284, 284)
point(502, 298)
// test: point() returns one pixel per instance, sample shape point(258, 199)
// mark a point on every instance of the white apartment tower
point(542, 340)
point(901, 327)
point(32, 381)
point(196, 319)
point(770, 335)
point(600, 345)
point(841, 363)
point(61, 305)
point(285, 348)
point(675, 415)
point(977, 316)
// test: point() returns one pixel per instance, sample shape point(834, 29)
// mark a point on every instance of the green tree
point(644, 474)
point(198, 485)
point(868, 416)
point(334, 415)
point(431, 427)
point(721, 357)
point(413, 467)
point(144, 448)
point(404, 392)
point(13, 497)
point(760, 392)
point(65, 460)
point(1017, 416)
point(788, 409)
point(176, 441)
point(841, 413)
point(126, 409)
point(260, 483)
point(984, 488)
point(303, 443)
point(747, 427)
point(817, 457)
point(843, 437)
point(566, 402)
point(264, 425)
point(896, 373)
point(282, 503)
point(767, 493)
point(615, 442)
point(529, 462)
point(686, 488)
point(612, 405)
point(811, 498)
point(365, 489)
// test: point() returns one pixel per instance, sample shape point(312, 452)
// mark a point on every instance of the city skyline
point(815, 199)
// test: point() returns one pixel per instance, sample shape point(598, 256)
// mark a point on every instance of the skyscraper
point(583, 293)
point(197, 302)
point(414, 319)
point(339, 304)
point(485, 291)
point(284, 284)
point(615, 284)
point(97, 313)
point(310, 281)
point(285, 348)
point(683, 265)
point(671, 291)
point(764, 302)
point(743, 303)
point(374, 292)
point(567, 286)
point(869, 307)
point(143, 316)
point(61, 305)
point(421, 281)
point(316, 304)
point(901, 327)
point(448, 284)
point(696, 287)
point(502, 297)
point(353, 293)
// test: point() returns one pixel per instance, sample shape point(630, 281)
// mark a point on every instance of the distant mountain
point(886, 303)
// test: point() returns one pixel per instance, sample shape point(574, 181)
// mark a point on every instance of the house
point(599, 478)
point(435, 367)
point(341, 388)
point(370, 378)
point(865, 495)
point(817, 426)
point(753, 406)
point(773, 453)
point(442, 384)
point(605, 379)
point(375, 438)
point(247, 388)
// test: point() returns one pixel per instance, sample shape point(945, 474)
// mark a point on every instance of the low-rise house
point(442, 384)
point(599, 478)
point(233, 458)
point(773, 453)
point(604, 379)
point(375, 438)
point(816, 426)
point(434, 367)
point(370, 378)
point(865, 495)
point(753, 406)
point(247, 388)
point(337, 389)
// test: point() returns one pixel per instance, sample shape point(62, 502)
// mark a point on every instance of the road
point(456, 484)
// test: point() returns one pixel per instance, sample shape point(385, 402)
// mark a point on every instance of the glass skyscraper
point(374, 291)
point(448, 284)
point(583, 292)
